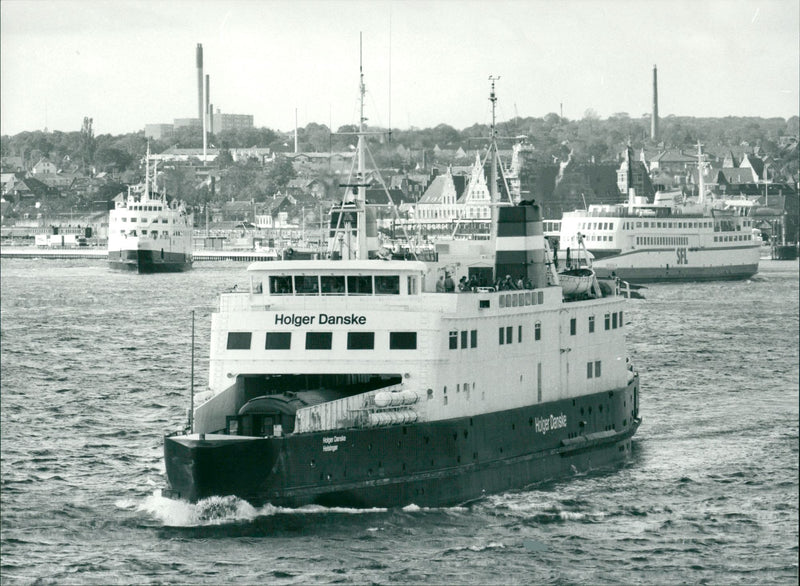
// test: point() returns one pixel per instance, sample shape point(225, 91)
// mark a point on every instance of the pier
point(102, 254)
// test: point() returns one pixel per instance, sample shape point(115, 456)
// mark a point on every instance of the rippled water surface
point(96, 367)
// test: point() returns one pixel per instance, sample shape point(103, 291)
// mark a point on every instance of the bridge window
point(359, 285)
point(453, 340)
point(473, 339)
point(573, 326)
point(280, 285)
point(591, 324)
point(389, 285)
point(239, 340)
point(402, 340)
point(596, 369)
point(464, 339)
point(278, 341)
point(537, 331)
point(332, 285)
point(306, 285)
point(360, 340)
point(318, 340)
point(589, 370)
point(608, 321)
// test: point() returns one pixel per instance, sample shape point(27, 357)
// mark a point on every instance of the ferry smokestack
point(199, 54)
point(520, 244)
point(654, 119)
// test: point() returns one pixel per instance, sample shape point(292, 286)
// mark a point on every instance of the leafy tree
point(279, 173)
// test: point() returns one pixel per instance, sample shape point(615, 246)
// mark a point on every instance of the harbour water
point(96, 367)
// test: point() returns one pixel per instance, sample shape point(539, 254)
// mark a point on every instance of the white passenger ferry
point(351, 381)
point(148, 232)
point(671, 239)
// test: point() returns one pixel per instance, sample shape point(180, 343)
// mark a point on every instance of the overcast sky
point(130, 63)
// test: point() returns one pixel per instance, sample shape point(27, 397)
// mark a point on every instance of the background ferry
point(149, 233)
point(671, 239)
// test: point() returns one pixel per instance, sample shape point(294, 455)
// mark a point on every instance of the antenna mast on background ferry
point(701, 184)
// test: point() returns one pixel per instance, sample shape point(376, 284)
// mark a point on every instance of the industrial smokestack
point(208, 103)
point(654, 119)
point(200, 82)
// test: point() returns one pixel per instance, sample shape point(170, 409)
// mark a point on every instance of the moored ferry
point(352, 381)
point(149, 232)
point(670, 239)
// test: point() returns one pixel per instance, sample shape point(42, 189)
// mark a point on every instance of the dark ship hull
point(677, 273)
point(149, 261)
point(436, 463)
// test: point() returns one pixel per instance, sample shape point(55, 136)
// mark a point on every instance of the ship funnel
point(520, 244)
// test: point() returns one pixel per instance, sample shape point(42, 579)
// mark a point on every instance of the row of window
point(506, 334)
point(452, 214)
point(143, 220)
point(454, 336)
point(663, 240)
point(630, 225)
point(734, 238)
point(681, 225)
point(338, 285)
point(146, 208)
point(522, 299)
point(612, 321)
point(593, 369)
point(322, 340)
point(152, 233)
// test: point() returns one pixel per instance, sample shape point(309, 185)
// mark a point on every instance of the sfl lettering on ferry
point(322, 319)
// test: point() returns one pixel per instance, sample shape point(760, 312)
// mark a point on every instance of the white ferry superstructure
point(700, 238)
point(149, 233)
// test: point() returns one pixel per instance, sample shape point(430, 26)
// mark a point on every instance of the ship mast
point(360, 188)
point(701, 184)
point(494, 199)
point(147, 171)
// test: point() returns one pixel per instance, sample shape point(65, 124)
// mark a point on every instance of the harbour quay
point(102, 254)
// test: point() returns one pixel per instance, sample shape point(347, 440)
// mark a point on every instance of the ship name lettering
point(345, 320)
point(551, 423)
point(293, 320)
point(331, 443)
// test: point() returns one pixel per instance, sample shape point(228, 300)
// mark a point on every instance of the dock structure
point(102, 254)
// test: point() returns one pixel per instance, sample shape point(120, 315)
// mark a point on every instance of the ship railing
point(342, 413)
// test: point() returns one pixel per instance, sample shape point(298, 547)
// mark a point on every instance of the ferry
point(149, 232)
point(670, 239)
point(351, 381)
